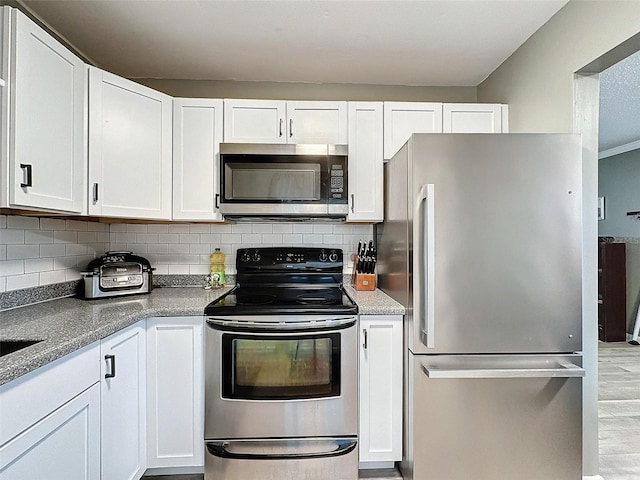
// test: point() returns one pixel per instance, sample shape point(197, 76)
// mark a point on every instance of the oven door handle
point(307, 326)
point(220, 449)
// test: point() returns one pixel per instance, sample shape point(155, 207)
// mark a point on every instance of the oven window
point(283, 367)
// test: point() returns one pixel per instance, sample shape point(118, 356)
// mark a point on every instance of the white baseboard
point(375, 465)
point(593, 477)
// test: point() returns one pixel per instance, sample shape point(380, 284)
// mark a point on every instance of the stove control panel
point(280, 259)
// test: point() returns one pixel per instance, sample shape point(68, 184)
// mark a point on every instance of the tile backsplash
point(41, 251)
point(185, 248)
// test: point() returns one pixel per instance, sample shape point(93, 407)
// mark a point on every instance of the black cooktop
point(286, 280)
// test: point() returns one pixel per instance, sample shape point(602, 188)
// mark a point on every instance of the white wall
point(308, 91)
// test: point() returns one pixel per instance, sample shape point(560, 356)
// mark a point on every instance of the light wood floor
point(619, 410)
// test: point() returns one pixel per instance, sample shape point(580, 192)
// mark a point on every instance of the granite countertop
point(68, 324)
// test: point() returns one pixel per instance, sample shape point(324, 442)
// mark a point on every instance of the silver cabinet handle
point(95, 193)
point(364, 332)
point(353, 202)
point(563, 370)
point(112, 370)
point(281, 122)
point(290, 127)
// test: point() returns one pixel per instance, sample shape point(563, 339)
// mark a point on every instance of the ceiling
point(393, 42)
point(620, 104)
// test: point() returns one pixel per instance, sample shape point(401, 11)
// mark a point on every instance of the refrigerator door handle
point(562, 370)
point(424, 265)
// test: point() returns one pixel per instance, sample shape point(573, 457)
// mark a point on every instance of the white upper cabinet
point(45, 104)
point(317, 122)
point(130, 136)
point(401, 119)
point(255, 121)
point(365, 162)
point(197, 133)
point(473, 118)
point(276, 121)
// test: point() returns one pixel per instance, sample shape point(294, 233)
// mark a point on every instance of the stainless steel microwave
point(270, 180)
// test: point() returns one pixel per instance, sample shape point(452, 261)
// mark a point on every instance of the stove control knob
point(333, 256)
point(245, 257)
point(323, 256)
point(256, 256)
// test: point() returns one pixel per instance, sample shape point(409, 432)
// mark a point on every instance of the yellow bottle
point(216, 278)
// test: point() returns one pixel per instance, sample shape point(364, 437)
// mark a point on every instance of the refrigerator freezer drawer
point(494, 421)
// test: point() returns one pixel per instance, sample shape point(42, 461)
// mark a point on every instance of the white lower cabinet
point(50, 421)
point(175, 414)
point(380, 377)
point(123, 404)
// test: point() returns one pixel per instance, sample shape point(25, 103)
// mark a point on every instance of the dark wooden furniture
point(612, 292)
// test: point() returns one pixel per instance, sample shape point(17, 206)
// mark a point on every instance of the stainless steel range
point(281, 370)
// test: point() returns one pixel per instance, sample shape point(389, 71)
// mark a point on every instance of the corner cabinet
point(44, 112)
point(365, 162)
point(277, 121)
point(380, 379)
point(197, 133)
point(130, 136)
point(123, 425)
point(50, 421)
point(175, 390)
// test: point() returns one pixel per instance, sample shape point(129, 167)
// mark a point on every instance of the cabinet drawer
point(46, 389)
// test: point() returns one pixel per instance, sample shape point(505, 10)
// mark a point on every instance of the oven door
point(281, 377)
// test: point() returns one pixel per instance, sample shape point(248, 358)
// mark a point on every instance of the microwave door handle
point(424, 266)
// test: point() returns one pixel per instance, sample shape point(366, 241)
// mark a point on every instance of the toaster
point(117, 273)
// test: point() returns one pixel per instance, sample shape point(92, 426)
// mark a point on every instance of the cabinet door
point(472, 118)
point(254, 121)
point(130, 132)
point(380, 388)
point(365, 162)
point(317, 122)
point(401, 119)
point(63, 445)
point(47, 159)
point(123, 396)
point(197, 133)
point(175, 406)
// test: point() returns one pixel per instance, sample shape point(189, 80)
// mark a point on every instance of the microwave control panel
point(337, 181)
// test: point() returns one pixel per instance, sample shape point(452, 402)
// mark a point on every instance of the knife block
point(362, 281)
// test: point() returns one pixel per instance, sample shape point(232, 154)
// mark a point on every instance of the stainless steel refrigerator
point(482, 243)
